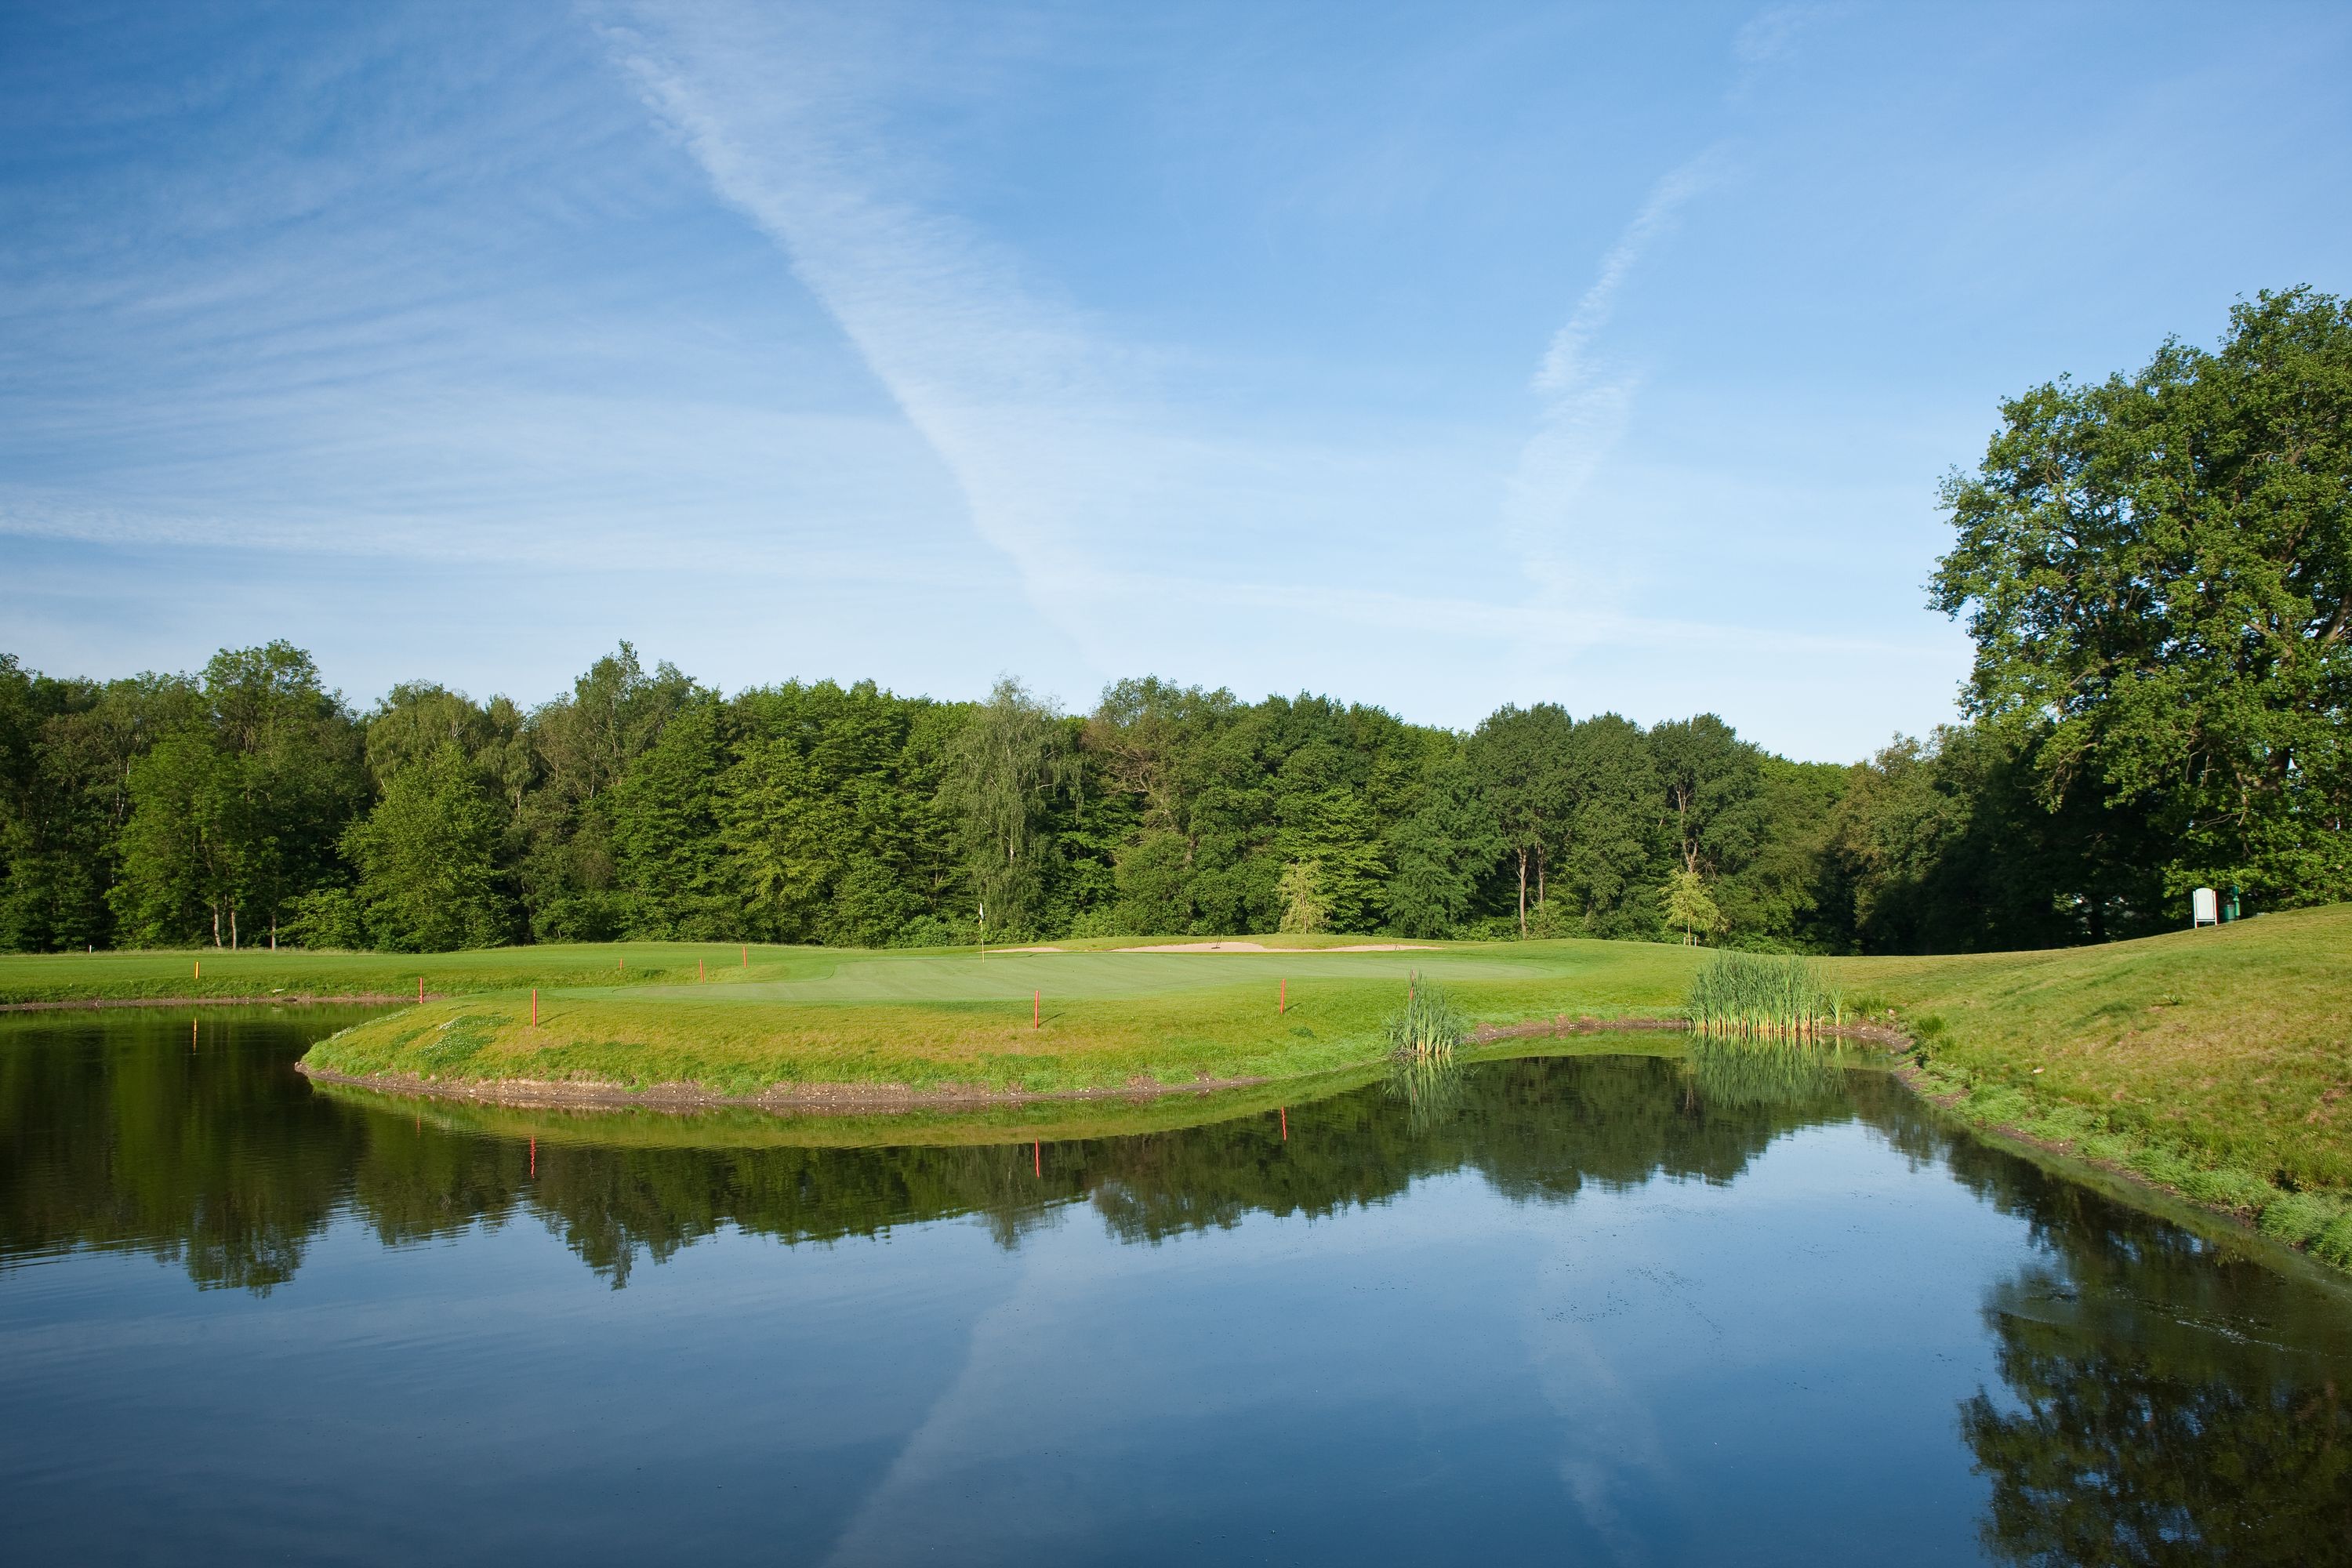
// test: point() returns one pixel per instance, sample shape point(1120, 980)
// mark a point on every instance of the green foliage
point(1304, 908)
point(1612, 844)
point(1711, 781)
point(2156, 570)
point(234, 811)
point(1789, 894)
point(1520, 759)
point(1687, 907)
point(427, 859)
point(1442, 851)
point(642, 806)
point(1009, 763)
point(670, 863)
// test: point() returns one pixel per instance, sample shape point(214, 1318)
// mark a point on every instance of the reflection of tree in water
point(120, 1137)
point(1536, 1129)
point(2167, 1399)
point(611, 1205)
point(2171, 1454)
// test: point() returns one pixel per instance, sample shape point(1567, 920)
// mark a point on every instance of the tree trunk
point(231, 927)
point(217, 925)
point(1523, 895)
point(1539, 876)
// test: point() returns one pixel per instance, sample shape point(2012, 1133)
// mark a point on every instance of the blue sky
point(1430, 356)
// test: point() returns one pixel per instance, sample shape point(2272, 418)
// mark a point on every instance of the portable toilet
point(2204, 908)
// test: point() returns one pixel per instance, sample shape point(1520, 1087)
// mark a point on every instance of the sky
point(1434, 357)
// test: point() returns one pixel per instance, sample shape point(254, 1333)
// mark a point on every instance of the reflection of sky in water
point(1498, 1334)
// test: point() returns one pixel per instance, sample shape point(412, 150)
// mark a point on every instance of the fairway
point(1072, 976)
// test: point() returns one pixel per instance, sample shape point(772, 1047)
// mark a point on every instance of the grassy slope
point(2217, 1063)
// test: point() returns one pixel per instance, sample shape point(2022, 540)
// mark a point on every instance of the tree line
point(2156, 570)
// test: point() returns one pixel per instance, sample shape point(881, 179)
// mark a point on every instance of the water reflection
point(1732, 1073)
point(188, 1139)
point(2161, 1400)
point(1429, 1087)
point(2158, 1395)
point(221, 1157)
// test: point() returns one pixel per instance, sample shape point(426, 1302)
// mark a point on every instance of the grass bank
point(2217, 1063)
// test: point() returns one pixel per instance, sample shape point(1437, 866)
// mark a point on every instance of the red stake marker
point(420, 990)
point(1037, 1007)
point(1037, 1158)
point(1282, 1000)
point(534, 1156)
point(1285, 1124)
point(747, 955)
point(698, 972)
point(534, 1006)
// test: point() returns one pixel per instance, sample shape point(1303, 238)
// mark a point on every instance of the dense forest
point(2156, 572)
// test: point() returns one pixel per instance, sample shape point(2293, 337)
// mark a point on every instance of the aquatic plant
point(1430, 1023)
point(1748, 995)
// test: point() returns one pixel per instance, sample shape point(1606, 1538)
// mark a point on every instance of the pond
point(1614, 1306)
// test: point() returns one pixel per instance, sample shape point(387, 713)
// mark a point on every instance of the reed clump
point(1430, 1023)
point(1753, 997)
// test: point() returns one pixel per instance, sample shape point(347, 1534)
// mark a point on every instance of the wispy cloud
point(1583, 405)
point(1580, 566)
point(1021, 396)
point(1768, 40)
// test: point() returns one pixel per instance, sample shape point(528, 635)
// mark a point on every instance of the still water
point(1594, 1309)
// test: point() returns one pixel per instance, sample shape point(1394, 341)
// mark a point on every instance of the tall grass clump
point(1430, 1023)
point(1748, 995)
